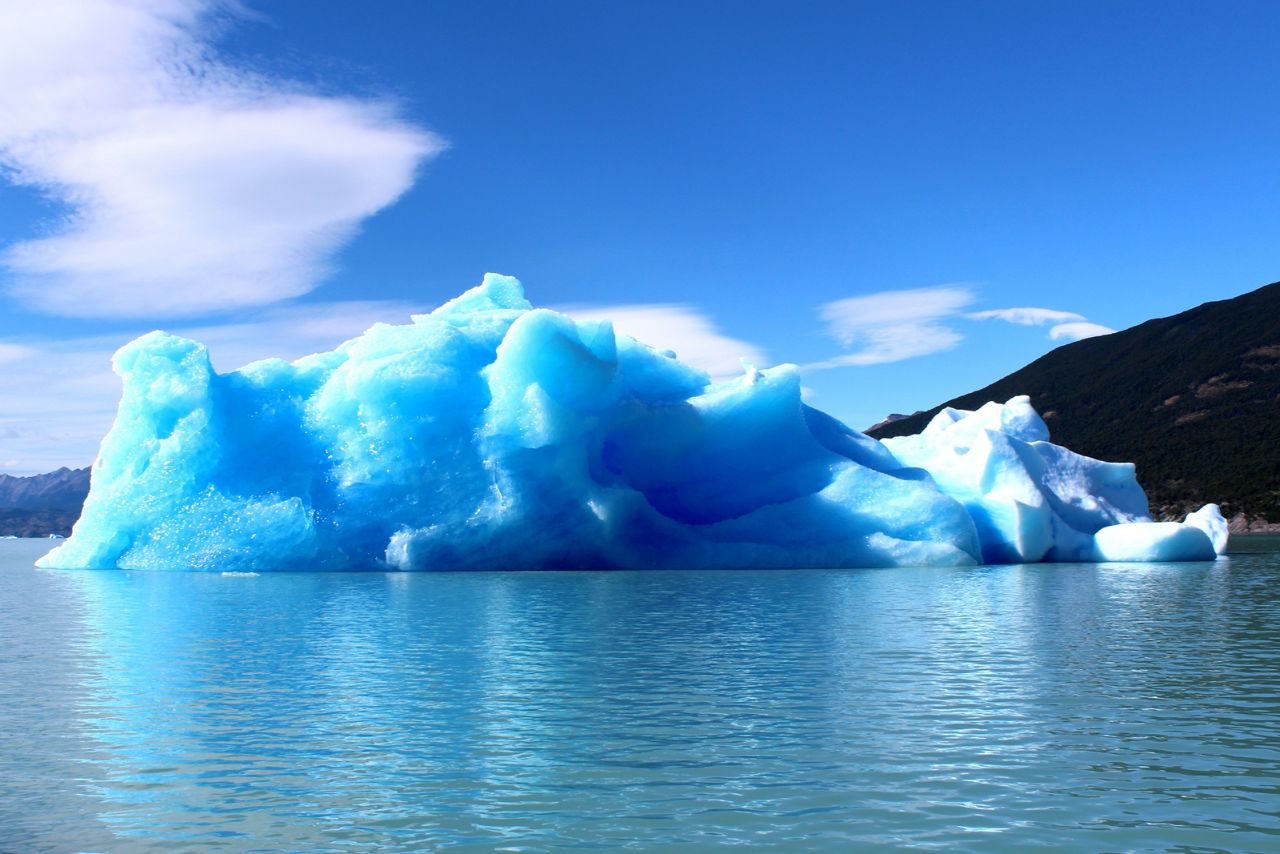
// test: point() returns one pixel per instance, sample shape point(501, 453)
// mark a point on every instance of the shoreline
point(1240, 524)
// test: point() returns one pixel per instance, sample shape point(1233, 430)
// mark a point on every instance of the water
point(1094, 707)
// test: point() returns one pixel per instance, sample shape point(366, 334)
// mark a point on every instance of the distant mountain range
point(42, 504)
point(1193, 399)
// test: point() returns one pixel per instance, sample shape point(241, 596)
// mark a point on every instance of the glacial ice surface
point(492, 435)
point(1032, 500)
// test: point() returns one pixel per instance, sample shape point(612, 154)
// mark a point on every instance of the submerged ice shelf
point(492, 435)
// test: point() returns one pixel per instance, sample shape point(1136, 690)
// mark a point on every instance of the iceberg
point(489, 434)
point(1032, 500)
point(1153, 541)
point(1209, 519)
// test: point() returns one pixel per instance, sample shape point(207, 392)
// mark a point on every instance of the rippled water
point(1097, 707)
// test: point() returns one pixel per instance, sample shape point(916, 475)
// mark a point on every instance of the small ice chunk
point(1153, 541)
point(1209, 519)
point(1030, 499)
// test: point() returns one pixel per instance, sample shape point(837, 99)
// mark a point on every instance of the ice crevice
point(489, 434)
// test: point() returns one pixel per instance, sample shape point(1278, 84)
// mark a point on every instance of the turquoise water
point(1089, 707)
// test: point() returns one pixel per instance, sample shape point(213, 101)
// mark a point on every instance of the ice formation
point(492, 435)
point(1032, 500)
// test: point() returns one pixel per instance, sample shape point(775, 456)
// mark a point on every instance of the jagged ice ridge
point(492, 435)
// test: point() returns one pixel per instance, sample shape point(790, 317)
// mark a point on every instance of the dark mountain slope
point(64, 489)
point(42, 504)
point(1193, 399)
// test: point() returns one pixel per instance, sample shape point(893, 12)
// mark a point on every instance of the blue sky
point(864, 189)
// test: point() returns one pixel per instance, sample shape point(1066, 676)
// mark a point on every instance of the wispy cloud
point(190, 185)
point(893, 325)
point(1026, 315)
point(14, 353)
point(60, 396)
point(693, 336)
point(292, 331)
point(1066, 325)
point(1078, 331)
point(59, 399)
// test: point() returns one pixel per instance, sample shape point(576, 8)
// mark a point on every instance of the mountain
point(1192, 399)
point(887, 420)
point(42, 504)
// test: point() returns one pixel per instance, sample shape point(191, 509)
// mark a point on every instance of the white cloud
point(849, 319)
point(1078, 331)
point(59, 400)
point(682, 328)
point(893, 325)
point(1026, 315)
point(1065, 324)
point(60, 396)
point(14, 352)
point(192, 186)
point(292, 331)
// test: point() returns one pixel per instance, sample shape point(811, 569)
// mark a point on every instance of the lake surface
point(1093, 707)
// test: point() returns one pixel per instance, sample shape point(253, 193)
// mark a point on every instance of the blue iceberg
point(492, 435)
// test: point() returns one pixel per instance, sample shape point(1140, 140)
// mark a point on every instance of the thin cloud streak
point(893, 325)
point(61, 396)
point(293, 331)
point(1078, 331)
point(1026, 315)
point(192, 186)
point(893, 344)
point(14, 353)
point(693, 336)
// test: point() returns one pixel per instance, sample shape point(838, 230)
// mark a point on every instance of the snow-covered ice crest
point(492, 435)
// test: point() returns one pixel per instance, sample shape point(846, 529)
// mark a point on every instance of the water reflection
point(1108, 707)
point(43, 767)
